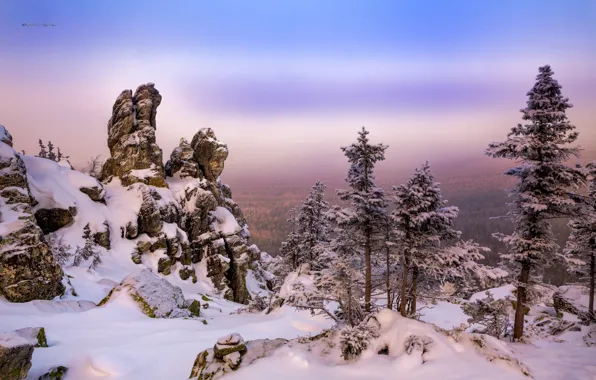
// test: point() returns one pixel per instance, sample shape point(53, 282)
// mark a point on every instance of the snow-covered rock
point(155, 296)
point(28, 270)
point(135, 155)
point(15, 356)
point(572, 299)
point(230, 353)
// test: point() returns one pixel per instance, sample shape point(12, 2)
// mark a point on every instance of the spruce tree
point(51, 155)
point(88, 251)
point(367, 202)
point(43, 153)
point(541, 194)
point(290, 247)
point(337, 279)
point(312, 225)
point(580, 252)
point(422, 223)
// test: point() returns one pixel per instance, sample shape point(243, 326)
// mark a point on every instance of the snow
point(501, 292)
point(225, 222)
point(11, 340)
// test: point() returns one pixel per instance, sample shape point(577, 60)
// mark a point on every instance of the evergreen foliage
point(544, 180)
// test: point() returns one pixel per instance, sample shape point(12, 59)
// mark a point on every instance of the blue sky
point(422, 75)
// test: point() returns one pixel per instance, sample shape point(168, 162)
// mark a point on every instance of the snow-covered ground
point(117, 341)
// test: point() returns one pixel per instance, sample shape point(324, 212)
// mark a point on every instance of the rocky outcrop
point(156, 297)
point(230, 353)
point(28, 270)
point(217, 230)
point(135, 155)
point(15, 356)
point(209, 153)
point(5, 136)
point(96, 193)
point(51, 220)
point(182, 162)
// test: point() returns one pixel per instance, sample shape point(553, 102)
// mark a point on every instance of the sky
point(286, 83)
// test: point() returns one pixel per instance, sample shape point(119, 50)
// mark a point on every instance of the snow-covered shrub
point(492, 314)
point(354, 340)
point(87, 252)
point(60, 249)
point(418, 343)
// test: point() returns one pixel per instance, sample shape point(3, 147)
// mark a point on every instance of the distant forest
point(478, 191)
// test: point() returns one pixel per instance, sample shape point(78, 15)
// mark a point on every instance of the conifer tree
point(541, 194)
point(312, 225)
point(337, 279)
point(580, 252)
point(422, 222)
point(43, 153)
point(365, 215)
point(51, 155)
point(88, 251)
point(290, 247)
point(58, 155)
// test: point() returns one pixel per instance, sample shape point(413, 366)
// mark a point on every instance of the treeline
point(405, 243)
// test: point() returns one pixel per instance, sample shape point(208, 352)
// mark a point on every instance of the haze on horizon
point(285, 85)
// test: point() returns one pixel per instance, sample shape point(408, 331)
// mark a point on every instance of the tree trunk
point(592, 274)
point(414, 290)
point(388, 280)
point(404, 288)
point(368, 272)
point(524, 277)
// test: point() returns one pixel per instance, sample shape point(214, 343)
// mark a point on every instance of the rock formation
point(230, 353)
point(28, 270)
point(15, 356)
point(213, 222)
point(156, 297)
point(135, 156)
point(5, 137)
point(196, 218)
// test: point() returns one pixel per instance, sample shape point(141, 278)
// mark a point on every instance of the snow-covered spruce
point(492, 315)
point(367, 205)
point(421, 221)
point(580, 252)
point(544, 180)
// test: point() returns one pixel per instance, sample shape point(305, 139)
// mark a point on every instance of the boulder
point(15, 356)
point(195, 308)
point(35, 335)
point(28, 269)
point(57, 373)
point(51, 220)
point(211, 364)
point(156, 297)
point(102, 238)
point(96, 193)
point(135, 155)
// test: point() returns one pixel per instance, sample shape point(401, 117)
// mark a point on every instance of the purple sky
point(286, 86)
